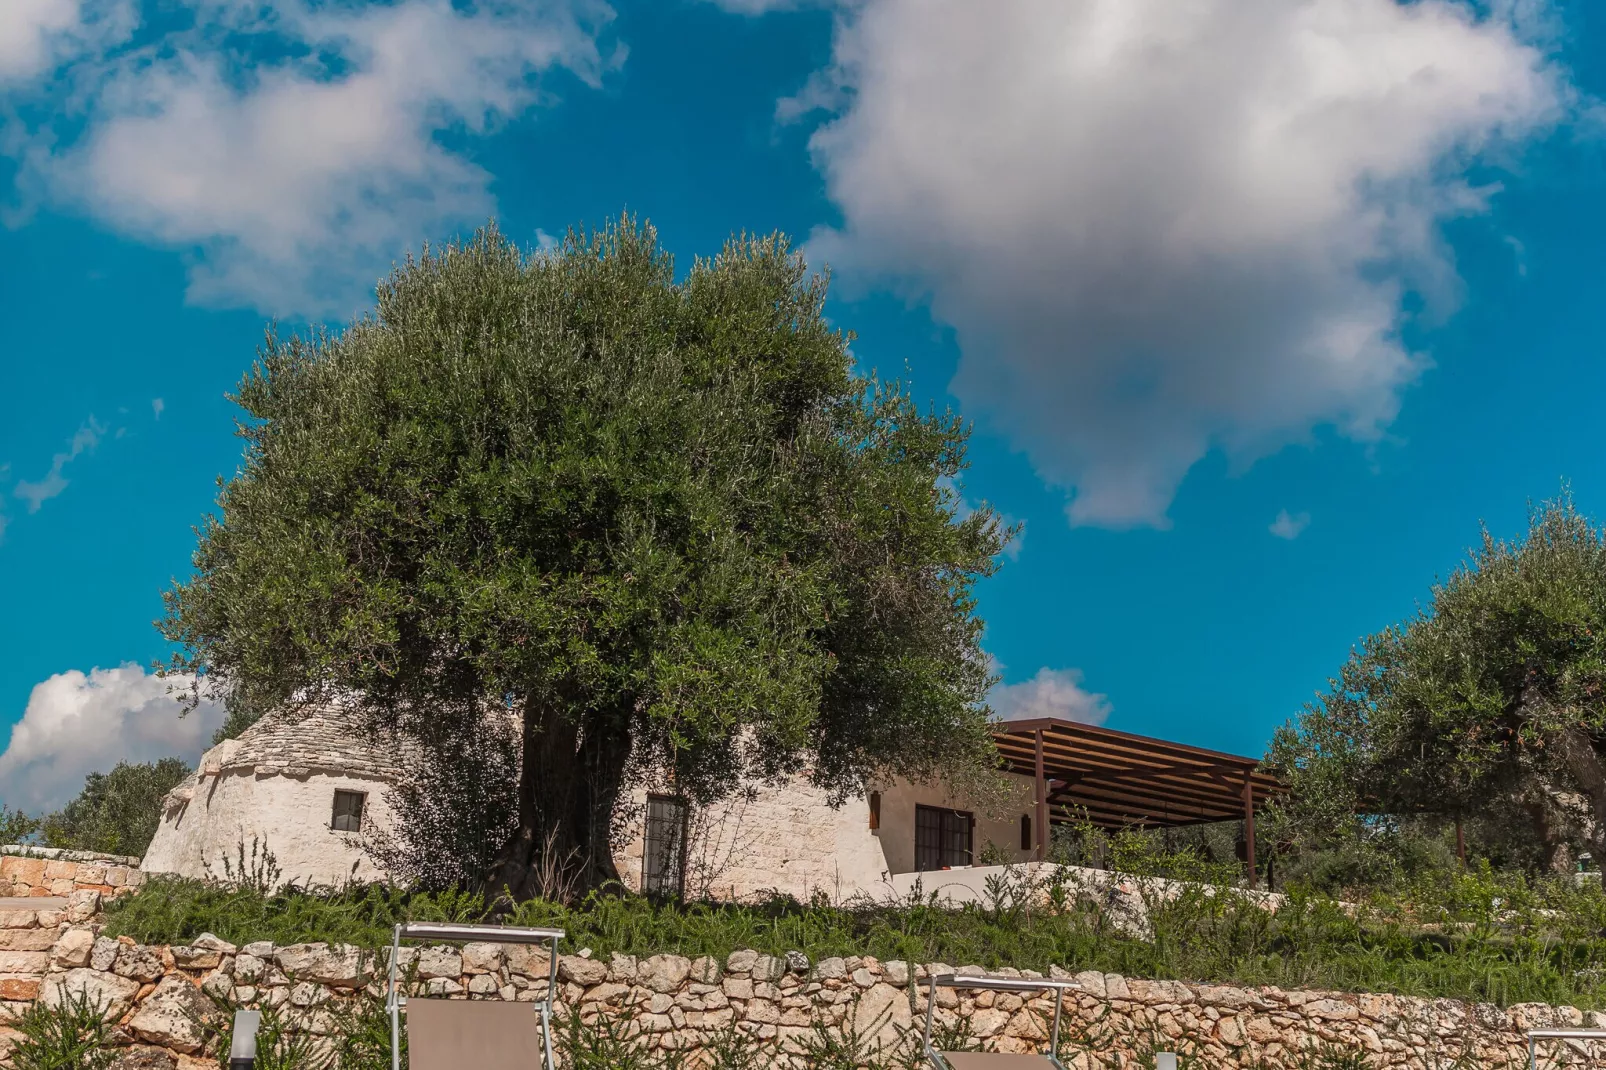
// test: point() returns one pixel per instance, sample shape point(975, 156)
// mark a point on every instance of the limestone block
point(139, 962)
point(483, 984)
point(27, 939)
point(1331, 1009)
point(248, 969)
point(442, 986)
point(797, 962)
point(106, 990)
point(609, 992)
point(72, 949)
point(663, 973)
point(582, 971)
point(762, 1011)
point(339, 965)
point(738, 988)
point(24, 962)
point(214, 943)
point(882, 1012)
point(705, 970)
point(83, 904)
point(307, 994)
point(989, 1022)
point(18, 919)
point(103, 956)
point(218, 985)
point(1115, 986)
point(262, 949)
point(831, 969)
point(863, 978)
point(440, 961)
point(244, 994)
point(188, 957)
point(171, 1016)
point(19, 870)
point(740, 961)
point(19, 989)
point(532, 960)
point(482, 958)
point(896, 972)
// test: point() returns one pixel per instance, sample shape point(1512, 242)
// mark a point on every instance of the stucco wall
point(787, 838)
point(998, 824)
point(784, 838)
point(289, 815)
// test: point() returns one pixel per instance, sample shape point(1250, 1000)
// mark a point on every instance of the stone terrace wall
point(155, 993)
point(45, 871)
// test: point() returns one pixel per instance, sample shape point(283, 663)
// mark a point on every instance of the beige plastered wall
point(288, 815)
point(788, 838)
point(997, 824)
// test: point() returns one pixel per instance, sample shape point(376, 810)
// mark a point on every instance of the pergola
point(1119, 780)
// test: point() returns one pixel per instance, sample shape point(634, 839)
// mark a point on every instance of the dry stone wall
point(44, 871)
point(158, 994)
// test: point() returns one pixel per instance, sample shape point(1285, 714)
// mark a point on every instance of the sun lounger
point(472, 1035)
point(987, 1060)
point(1536, 1035)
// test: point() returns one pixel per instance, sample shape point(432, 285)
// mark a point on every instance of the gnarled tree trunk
point(569, 785)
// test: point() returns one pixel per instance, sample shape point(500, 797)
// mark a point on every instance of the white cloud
point(37, 35)
point(54, 482)
point(76, 724)
point(1162, 228)
point(1051, 693)
point(295, 182)
point(1287, 526)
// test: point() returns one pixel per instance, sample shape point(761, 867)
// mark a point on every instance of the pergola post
point(1249, 823)
point(1042, 802)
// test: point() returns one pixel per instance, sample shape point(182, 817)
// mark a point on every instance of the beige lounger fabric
point(987, 1060)
point(461, 1035)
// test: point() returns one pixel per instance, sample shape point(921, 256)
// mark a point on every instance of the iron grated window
point(663, 865)
point(348, 811)
point(942, 837)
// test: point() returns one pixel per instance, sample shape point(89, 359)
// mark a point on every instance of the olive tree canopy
point(1488, 703)
point(665, 525)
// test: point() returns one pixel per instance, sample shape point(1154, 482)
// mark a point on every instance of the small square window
point(348, 811)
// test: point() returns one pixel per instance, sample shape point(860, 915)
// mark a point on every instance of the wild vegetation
point(1502, 937)
point(115, 813)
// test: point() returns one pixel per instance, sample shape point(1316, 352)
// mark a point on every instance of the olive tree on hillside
point(664, 524)
point(116, 812)
point(1488, 704)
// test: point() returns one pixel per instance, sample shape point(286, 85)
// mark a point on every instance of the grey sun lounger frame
point(491, 934)
point(941, 1060)
point(1535, 1035)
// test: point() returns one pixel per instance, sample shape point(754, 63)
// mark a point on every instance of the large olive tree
point(1488, 704)
point(664, 524)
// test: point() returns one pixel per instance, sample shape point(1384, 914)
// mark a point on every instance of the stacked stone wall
point(157, 995)
point(43, 871)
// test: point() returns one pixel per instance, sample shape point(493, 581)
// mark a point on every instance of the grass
point(1474, 936)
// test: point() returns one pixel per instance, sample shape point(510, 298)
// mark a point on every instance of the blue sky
point(1259, 310)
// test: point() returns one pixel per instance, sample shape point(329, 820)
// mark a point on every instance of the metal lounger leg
point(392, 1002)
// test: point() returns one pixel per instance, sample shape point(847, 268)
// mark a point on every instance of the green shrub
point(1480, 936)
point(72, 1035)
